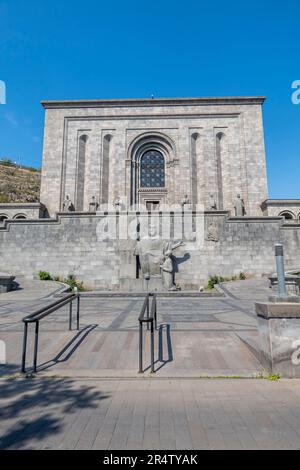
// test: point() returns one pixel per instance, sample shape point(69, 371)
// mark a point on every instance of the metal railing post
point(78, 310)
point(148, 309)
point(23, 368)
point(70, 316)
point(141, 348)
point(155, 311)
point(36, 340)
point(152, 347)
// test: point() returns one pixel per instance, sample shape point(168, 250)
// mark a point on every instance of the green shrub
point(273, 377)
point(72, 282)
point(45, 276)
point(212, 281)
point(219, 279)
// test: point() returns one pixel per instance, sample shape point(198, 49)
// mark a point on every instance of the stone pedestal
point(142, 285)
point(279, 334)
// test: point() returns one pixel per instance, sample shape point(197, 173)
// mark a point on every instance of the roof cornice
point(150, 102)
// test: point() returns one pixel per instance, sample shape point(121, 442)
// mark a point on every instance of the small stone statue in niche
point(118, 203)
point(68, 205)
point(212, 203)
point(93, 205)
point(239, 206)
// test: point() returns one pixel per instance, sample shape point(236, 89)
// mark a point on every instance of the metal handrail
point(41, 313)
point(148, 316)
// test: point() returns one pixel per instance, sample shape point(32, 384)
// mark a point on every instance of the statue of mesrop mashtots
point(155, 257)
point(168, 272)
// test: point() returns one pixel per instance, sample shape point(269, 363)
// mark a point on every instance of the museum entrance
point(152, 205)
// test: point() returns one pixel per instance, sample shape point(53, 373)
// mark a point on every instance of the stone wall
point(70, 245)
point(275, 207)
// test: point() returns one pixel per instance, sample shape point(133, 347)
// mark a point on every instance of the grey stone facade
point(209, 150)
point(282, 207)
point(21, 211)
point(209, 145)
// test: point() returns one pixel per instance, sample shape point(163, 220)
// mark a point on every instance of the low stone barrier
point(279, 335)
point(6, 282)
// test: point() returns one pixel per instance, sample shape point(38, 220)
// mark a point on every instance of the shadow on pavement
point(27, 397)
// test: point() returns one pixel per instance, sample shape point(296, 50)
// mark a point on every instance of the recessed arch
point(156, 139)
point(20, 216)
point(3, 217)
point(106, 148)
point(80, 172)
point(194, 143)
point(220, 143)
point(288, 215)
point(156, 142)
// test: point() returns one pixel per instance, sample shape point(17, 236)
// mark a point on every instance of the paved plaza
point(88, 394)
point(149, 414)
point(196, 337)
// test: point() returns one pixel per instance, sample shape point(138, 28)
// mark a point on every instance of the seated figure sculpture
point(155, 256)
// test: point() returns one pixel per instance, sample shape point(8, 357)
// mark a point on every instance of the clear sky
point(71, 49)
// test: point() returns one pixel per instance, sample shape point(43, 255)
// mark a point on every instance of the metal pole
point(36, 339)
point(155, 312)
point(23, 369)
point(70, 315)
point(152, 347)
point(280, 270)
point(78, 309)
point(141, 348)
point(148, 309)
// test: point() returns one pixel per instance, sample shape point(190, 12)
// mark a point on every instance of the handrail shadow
point(164, 327)
point(80, 336)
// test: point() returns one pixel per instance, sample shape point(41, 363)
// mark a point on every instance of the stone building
point(192, 153)
point(154, 152)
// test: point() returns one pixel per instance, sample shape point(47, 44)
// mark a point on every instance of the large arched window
point(152, 170)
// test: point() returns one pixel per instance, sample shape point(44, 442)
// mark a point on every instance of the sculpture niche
point(156, 258)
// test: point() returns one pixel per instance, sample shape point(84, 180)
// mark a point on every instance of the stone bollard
point(279, 337)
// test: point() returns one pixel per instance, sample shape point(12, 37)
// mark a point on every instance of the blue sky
point(123, 49)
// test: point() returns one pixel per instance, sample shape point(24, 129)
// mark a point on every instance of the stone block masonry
point(69, 244)
point(209, 145)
